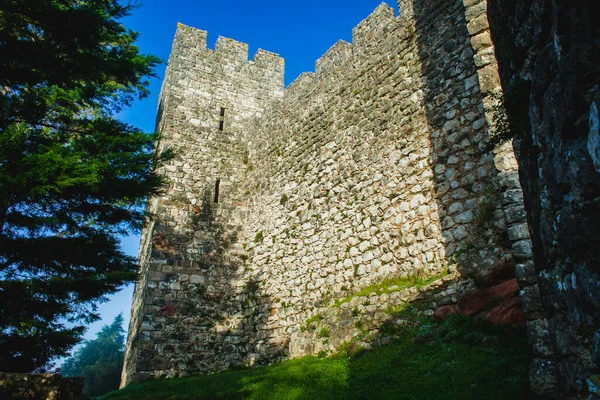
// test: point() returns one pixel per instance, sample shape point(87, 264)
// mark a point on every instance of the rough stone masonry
point(550, 69)
point(282, 201)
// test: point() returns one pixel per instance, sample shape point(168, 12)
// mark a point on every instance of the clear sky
point(299, 31)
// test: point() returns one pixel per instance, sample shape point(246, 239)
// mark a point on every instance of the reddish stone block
point(501, 273)
point(509, 312)
point(167, 311)
point(480, 300)
point(442, 312)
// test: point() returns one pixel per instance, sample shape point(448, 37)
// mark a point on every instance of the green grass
point(323, 333)
point(385, 286)
point(457, 359)
point(311, 323)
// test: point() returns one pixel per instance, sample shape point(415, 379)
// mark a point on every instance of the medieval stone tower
point(207, 102)
point(282, 203)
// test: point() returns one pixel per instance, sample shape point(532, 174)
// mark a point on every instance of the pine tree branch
point(51, 126)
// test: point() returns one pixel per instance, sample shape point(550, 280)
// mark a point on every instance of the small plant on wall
point(323, 333)
point(484, 212)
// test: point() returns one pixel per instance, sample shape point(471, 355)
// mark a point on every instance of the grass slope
point(456, 359)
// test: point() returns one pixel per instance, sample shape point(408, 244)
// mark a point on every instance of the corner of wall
point(505, 161)
point(405, 10)
point(189, 37)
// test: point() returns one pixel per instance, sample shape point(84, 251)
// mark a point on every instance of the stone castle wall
point(375, 166)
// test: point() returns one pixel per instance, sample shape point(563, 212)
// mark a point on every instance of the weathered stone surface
point(526, 274)
point(479, 300)
point(40, 386)
point(539, 338)
point(283, 202)
point(531, 300)
point(546, 69)
point(503, 272)
point(542, 378)
point(509, 312)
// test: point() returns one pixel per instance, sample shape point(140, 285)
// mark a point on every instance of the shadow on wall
point(549, 57)
point(469, 189)
point(201, 315)
point(204, 314)
point(459, 358)
point(448, 175)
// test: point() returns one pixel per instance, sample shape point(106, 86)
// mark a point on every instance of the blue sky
point(299, 31)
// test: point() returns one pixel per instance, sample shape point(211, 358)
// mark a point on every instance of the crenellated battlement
point(268, 59)
point(366, 31)
point(191, 44)
point(377, 21)
point(365, 39)
point(230, 48)
point(195, 40)
point(338, 54)
point(190, 37)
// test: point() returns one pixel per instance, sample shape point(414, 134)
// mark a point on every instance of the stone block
point(481, 41)
point(526, 274)
point(521, 250)
point(542, 377)
point(531, 301)
point(518, 232)
point(478, 24)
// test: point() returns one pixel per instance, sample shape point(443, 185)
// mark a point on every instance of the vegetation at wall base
point(393, 284)
point(72, 177)
point(459, 358)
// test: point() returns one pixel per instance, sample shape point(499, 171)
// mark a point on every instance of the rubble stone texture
point(15, 386)
point(549, 65)
point(282, 202)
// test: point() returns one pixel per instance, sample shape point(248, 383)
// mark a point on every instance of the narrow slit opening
point(217, 184)
point(222, 112)
point(220, 125)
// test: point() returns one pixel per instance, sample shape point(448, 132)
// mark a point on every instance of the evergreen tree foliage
point(72, 177)
point(99, 361)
